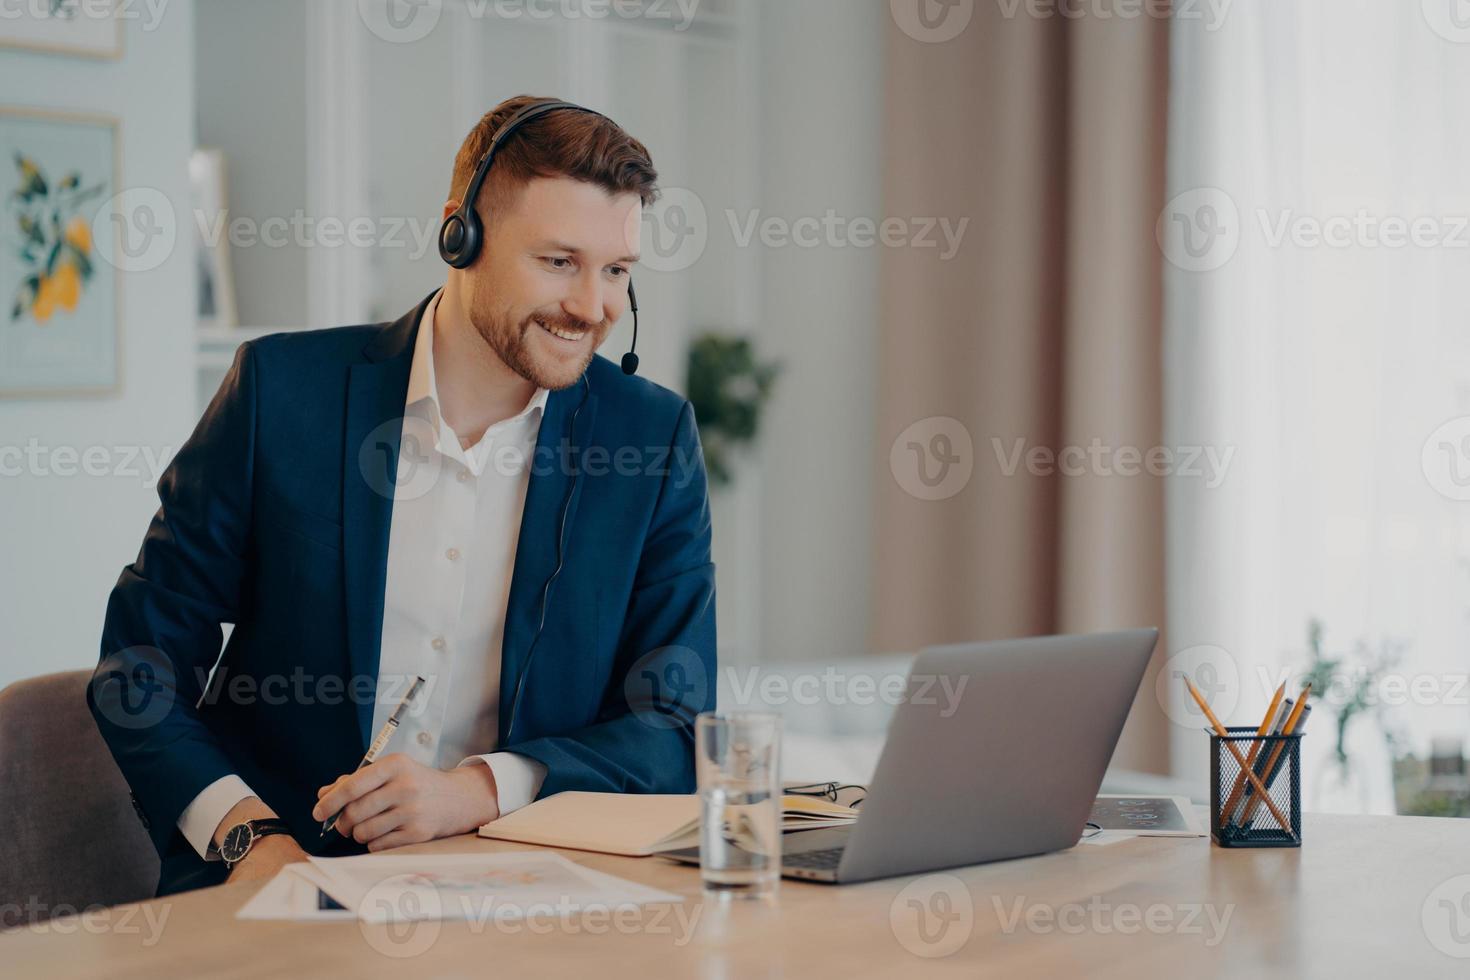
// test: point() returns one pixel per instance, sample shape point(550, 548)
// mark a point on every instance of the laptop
point(1005, 766)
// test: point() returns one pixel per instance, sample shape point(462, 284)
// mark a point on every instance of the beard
point(513, 343)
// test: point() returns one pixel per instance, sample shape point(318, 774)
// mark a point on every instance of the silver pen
point(379, 743)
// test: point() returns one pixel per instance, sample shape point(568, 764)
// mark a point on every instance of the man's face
point(553, 277)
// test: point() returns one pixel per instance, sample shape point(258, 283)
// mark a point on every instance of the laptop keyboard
point(823, 860)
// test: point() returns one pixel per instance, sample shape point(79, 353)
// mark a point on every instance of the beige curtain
point(1048, 133)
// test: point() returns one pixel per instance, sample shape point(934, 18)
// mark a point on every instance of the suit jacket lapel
point(557, 457)
point(376, 391)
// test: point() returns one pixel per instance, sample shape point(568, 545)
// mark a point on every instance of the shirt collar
point(423, 389)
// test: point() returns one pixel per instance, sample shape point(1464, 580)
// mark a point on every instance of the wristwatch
point(240, 838)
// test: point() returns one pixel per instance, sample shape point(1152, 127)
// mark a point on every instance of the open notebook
point(638, 824)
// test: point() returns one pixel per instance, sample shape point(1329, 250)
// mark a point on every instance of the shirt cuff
point(201, 818)
point(518, 778)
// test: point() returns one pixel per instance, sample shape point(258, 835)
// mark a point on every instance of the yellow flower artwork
point(55, 241)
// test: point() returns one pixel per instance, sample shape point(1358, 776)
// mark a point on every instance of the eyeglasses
point(828, 791)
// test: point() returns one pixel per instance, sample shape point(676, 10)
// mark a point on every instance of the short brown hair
point(580, 145)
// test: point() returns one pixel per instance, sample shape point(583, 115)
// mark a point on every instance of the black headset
point(462, 235)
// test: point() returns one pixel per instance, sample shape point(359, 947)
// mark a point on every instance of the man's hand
point(267, 855)
point(398, 800)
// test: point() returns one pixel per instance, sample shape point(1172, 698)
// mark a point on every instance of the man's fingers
point(349, 788)
point(377, 826)
point(374, 803)
point(397, 838)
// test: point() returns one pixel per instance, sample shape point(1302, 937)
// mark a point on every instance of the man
point(469, 495)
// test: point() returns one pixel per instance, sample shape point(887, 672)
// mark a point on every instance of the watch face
point(236, 843)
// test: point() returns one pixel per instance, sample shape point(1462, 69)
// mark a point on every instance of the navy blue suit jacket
point(275, 517)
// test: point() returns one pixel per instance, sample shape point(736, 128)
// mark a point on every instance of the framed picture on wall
point(58, 278)
point(90, 28)
point(216, 282)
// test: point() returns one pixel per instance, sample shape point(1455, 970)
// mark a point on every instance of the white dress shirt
point(451, 553)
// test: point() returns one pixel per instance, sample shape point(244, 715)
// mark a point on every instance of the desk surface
point(1364, 896)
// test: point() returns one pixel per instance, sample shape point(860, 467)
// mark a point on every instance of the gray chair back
point(69, 838)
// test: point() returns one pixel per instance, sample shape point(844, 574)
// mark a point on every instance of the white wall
point(251, 92)
point(66, 538)
point(820, 135)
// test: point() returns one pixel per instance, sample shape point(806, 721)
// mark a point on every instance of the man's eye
point(554, 259)
point(618, 271)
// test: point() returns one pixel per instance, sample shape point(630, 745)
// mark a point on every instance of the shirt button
point(424, 738)
point(452, 554)
point(462, 475)
point(438, 643)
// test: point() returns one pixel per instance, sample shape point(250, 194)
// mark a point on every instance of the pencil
point(1286, 729)
point(1250, 773)
point(1250, 759)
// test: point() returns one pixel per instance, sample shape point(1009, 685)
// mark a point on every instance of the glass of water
point(738, 761)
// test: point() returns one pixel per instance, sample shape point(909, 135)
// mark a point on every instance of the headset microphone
point(630, 359)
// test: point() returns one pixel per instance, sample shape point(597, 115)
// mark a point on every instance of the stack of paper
point(638, 824)
point(413, 887)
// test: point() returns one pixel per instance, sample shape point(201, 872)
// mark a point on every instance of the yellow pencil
point(1250, 773)
point(1286, 729)
point(1250, 759)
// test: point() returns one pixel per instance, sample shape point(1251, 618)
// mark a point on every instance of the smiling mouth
point(562, 333)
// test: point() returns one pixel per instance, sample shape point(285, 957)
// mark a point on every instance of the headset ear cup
point(459, 239)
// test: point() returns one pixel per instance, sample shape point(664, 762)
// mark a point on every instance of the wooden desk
point(1358, 900)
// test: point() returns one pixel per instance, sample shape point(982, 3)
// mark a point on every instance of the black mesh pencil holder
point(1240, 816)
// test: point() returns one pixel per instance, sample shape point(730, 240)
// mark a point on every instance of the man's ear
point(450, 207)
